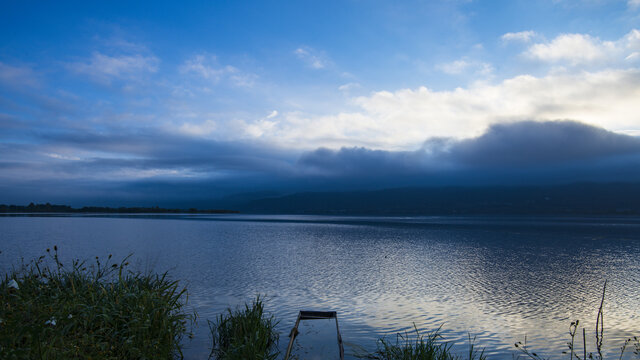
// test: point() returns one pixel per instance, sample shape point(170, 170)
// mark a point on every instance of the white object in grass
point(13, 284)
point(51, 322)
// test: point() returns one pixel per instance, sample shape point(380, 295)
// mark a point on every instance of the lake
point(500, 279)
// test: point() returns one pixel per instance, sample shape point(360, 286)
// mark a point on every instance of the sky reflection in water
point(497, 279)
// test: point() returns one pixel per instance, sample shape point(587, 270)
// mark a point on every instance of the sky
point(157, 102)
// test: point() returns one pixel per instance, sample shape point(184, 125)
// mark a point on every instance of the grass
point(421, 347)
point(246, 334)
point(574, 352)
point(102, 311)
point(105, 311)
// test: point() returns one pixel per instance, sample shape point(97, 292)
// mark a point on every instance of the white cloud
point(207, 68)
point(522, 36)
point(259, 128)
point(633, 57)
point(455, 67)
point(582, 49)
point(634, 4)
point(348, 86)
point(225, 127)
point(62, 156)
point(574, 48)
point(243, 79)
point(462, 66)
point(311, 57)
point(198, 65)
point(104, 68)
point(485, 69)
point(405, 118)
point(201, 129)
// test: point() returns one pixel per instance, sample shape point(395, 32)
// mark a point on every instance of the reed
point(421, 347)
point(574, 352)
point(245, 334)
point(100, 311)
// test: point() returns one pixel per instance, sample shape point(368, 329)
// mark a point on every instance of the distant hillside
point(574, 199)
point(50, 208)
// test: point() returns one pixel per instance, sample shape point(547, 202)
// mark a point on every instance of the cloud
point(17, 76)
point(461, 66)
point(582, 49)
point(273, 114)
point(361, 162)
point(529, 143)
point(311, 57)
point(206, 67)
point(633, 4)
point(198, 66)
point(225, 126)
point(349, 87)
point(257, 129)
point(455, 67)
point(25, 94)
point(402, 119)
point(574, 48)
point(568, 150)
point(105, 68)
point(522, 36)
point(171, 166)
point(124, 156)
point(201, 129)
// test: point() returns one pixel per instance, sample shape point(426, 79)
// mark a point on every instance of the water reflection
point(499, 279)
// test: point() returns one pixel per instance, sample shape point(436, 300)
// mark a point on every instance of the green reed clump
point(244, 334)
point(102, 311)
point(422, 347)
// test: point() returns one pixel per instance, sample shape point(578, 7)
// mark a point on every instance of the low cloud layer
point(530, 143)
point(174, 168)
point(543, 148)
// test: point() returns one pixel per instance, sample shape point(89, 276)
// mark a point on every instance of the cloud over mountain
point(572, 150)
point(527, 152)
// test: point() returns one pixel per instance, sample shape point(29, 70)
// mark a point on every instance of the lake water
point(499, 279)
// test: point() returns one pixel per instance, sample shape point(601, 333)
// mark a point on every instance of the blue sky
point(114, 100)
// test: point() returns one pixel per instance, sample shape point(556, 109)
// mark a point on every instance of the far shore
point(66, 209)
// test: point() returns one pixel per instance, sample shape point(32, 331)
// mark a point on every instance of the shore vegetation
point(245, 334)
point(51, 310)
point(422, 347)
point(577, 348)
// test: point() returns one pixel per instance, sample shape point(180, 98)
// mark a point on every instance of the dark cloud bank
point(524, 159)
point(540, 147)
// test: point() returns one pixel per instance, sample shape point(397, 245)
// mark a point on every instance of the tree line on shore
point(53, 208)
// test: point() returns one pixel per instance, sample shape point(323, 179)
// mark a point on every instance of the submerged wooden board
point(321, 351)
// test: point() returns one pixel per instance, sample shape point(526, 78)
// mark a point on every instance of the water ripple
point(493, 278)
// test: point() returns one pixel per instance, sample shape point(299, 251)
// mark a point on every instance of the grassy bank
point(51, 310)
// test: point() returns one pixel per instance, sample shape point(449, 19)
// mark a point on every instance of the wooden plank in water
point(315, 315)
